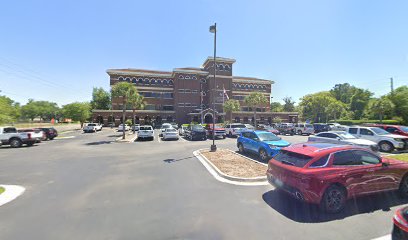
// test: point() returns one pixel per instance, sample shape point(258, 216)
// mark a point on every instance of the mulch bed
point(234, 165)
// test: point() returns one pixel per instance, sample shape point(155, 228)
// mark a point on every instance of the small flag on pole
point(225, 94)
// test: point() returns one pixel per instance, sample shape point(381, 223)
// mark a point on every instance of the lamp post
point(213, 29)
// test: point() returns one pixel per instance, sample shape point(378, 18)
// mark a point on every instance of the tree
point(316, 106)
point(276, 107)
point(30, 110)
point(359, 101)
point(380, 107)
point(335, 109)
point(289, 105)
point(77, 111)
point(255, 99)
point(122, 90)
point(42, 109)
point(343, 92)
point(9, 110)
point(101, 99)
point(136, 101)
point(400, 100)
point(230, 106)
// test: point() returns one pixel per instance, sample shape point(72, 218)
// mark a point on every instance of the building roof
point(191, 70)
point(250, 79)
point(139, 72)
point(219, 59)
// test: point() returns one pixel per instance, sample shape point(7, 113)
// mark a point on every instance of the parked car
point(174, 125)
point(170, 133)
point(234, 129)
point(249, 126)
point(337, 127)
point(329, 174)
point(304, 128)
point(193, 132)
point(342, 137)
point(50, 133)
point(393, 129)
point(10, 136)
point(182, 129)
point(386, 141)
point(36, 134)
point(400, 228)
point(286, 129)
point(123, 127)
point(219, 131)
point(263, 143)
point(90, 127)
point(163, 128)
point(145, 132)
point(135, 127)
point(272, 130)
point(321, 127)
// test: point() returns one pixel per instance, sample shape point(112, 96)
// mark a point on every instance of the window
point(140, 80)
point(327, 135)
point(120, 79)
point(181, 104)
point(345, 158)
point(365, 158)
point(187, 77)
point(194, 105)
point(167, 95)
point(187, 90)
point(391, 129)
point(134, 80)
point(246, 134)
point(194, 91)
point(168, 107)
point(291, 158)
point(322, 162)
point(194, 78)
point(181, 77)
point(187, 104)
point(364, 131)
point(10, 130)
point(171, 82)
point(227, 68)
point(150, 107)
point(181, 90)
point(352, 130)
point(127, 79)
point(203, 80)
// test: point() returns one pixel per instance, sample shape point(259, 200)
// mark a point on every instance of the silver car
point(342, 137)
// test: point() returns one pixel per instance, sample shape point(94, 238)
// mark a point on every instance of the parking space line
point(158, 139)
point(182, 139)
point(386, 237)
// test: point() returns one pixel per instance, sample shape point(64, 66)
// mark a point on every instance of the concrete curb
point(10, 193)
point(220, 176)
point(127, 140)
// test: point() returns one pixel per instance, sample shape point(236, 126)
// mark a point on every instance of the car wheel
point(263, 155)
point(223, 136)
point(51, 138)
point(334, 199)
point(299, 132)
point(403, 188)
point(241, 148)
point(230, 134)
point(386, 146)
point(15, 143)
point(30, 144)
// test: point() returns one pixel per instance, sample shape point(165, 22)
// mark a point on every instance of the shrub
point(358, 122)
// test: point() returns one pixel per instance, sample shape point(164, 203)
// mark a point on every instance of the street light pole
point(213, 29)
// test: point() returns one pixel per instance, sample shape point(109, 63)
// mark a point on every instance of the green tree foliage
point(380, 107)
point(320, 107)
point(43, 109)
point(101, 99)
point(335, 109)
point(289, 105)
point(254, 100)
point(400, 100)
point(77, 111)
point(230, 106)
point(343, 92)
point(123, 90)
point(9, 110)
point(276, 107)
point(359, 101)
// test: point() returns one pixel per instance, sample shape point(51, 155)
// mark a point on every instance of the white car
point(337, 127)
point(304, 128)
point(91, 127)
point(135, 127)
point(164, 127)
point(170, 133)
point(122, 127)
point(249, 126)
point(342, 137)
point(235, 129)
point(182, 129)
point(386, 141)
point(145, 132)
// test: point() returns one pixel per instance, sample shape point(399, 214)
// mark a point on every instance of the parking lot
point(87, 186)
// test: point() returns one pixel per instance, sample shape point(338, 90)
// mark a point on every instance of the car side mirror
point(338, 138)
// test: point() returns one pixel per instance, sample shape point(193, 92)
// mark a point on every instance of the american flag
point(225, 94)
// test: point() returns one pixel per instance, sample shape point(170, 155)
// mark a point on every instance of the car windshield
point(267, 136)
point(171, 130)
point(166, 126)
point(145, 128)
point(292, 158)
point(404, 128)
point(238, 126)
point(379, 131)
point(346, 135)
point(92, 124)
point(197, 127)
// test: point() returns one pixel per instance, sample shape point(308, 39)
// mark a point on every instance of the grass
point(2, 190)
point(403, 157)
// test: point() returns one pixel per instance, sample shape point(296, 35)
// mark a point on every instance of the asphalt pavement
point(86, 186)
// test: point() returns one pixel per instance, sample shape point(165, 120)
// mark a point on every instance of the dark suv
point(50, 133)
point(193, 132)
point(321, 127)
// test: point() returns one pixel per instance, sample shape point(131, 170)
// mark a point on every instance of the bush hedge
point(358, 122)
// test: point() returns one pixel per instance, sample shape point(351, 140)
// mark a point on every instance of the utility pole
point(392, 85)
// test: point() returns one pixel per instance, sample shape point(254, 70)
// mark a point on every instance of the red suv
point(329, 174)
point(394, 129)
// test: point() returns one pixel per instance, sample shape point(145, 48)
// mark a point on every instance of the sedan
point(170, 133)
point(330, 174)
point(341, 137)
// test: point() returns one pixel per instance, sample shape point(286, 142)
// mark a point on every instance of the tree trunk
point(123, 119)
point(230, 116)
point(255, 118)
point(133, 115)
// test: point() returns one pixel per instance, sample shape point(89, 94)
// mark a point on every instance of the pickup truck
point(36, 134)
point(10, 136)
point(219, 131)
point(92, 127)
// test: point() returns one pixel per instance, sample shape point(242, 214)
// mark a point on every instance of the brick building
point(186, 95)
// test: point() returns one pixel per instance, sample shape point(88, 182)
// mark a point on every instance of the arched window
point(146, 81)
point(140, 81)
point(227, 68)
point(221, 67)
point(246, 86)
point(134, 80)
point(181, 77)
point(165, 82)
point(153, 81)
point(127, 79)
point(194, 78)
point(203, 93)
point(171, 82)
point(251, 86)
point(187, 77)
point(120, 79)
point(159, 81)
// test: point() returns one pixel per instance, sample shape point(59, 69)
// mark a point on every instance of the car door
point(368, 134)
point(350, 171)
point(245, 140)
point(253, 142)
point(378, 176)
point(329, 137)
point(353, 131)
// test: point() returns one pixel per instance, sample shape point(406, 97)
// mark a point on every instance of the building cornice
point(219, 59)
point(219, 76)
point(130, 111)
point(142, 74)
point(178, 70)
point(251, 80)
point(249, 92)
point(154, 88)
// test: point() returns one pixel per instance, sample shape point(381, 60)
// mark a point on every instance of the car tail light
point(400, 221)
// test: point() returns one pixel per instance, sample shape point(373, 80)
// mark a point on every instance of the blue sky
point(59, 50)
